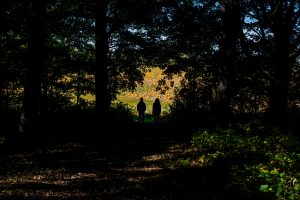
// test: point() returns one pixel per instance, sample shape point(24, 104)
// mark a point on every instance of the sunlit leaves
point(260, 158)
point(151, 88)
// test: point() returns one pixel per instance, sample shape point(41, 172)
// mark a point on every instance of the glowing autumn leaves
point(155, 85)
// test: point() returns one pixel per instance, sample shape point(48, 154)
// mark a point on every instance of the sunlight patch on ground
point(38, 194)
point(155, 157)
point(115, 178)
point(144, 169)
point(51, 184)
point(50, 177)
point(176, 156)
point(36, 179)
point(83, 175)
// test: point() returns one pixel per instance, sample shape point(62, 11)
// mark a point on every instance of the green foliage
point(184, 163)
point(258, 159)
point(280, 175)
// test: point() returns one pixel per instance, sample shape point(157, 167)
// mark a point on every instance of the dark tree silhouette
point(256, 44)
point(36, 66)
point(226, 66)
point(101, 76)
point(283, 19)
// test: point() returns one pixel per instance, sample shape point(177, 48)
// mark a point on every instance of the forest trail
point(128, 167)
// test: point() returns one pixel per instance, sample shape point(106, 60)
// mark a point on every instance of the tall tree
point(101, 76)
point(278, 27)
point(33, 82)
point(284, 16)
point(226, 66)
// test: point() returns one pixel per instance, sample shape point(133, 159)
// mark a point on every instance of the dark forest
point(232, 131)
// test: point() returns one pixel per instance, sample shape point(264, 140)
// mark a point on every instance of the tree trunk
point(281, 75)
point(33, 82)
point(225, 71)
point(101, 76)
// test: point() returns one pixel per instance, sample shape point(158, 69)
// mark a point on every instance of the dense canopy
point(239, 61)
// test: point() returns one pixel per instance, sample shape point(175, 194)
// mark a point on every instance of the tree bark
point(278, 106)
point(101, 76)
point(225, 70)
point(33, 82)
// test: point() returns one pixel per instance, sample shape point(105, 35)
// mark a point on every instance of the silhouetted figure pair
point(156, 110)
point(141, 107)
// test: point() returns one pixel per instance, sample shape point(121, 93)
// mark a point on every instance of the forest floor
point(127, 166)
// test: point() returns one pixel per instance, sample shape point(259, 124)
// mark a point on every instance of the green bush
point(257, 157)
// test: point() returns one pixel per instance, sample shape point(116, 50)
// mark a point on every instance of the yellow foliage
point(148, 91)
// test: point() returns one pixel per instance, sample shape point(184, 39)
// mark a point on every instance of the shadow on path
point(131, 164)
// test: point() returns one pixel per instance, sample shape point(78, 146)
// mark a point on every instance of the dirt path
point(131, 167)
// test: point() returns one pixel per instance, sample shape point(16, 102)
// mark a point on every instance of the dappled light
point(69, 178)
point(149, 100)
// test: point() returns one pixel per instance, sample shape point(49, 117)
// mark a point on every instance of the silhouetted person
point(156, 110)
point(141, 107)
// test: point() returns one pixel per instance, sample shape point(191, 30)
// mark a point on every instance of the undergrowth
point(258, 159)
